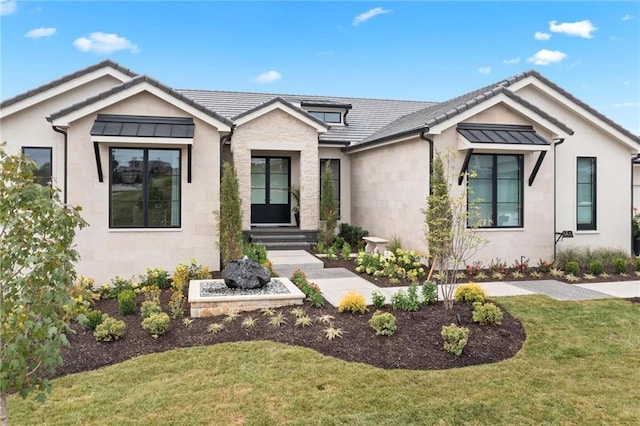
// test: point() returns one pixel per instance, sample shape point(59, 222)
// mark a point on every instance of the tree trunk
point(4, 417)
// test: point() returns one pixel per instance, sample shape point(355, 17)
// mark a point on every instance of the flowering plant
point(635, 223)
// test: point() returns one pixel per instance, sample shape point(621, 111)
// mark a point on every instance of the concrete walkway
point(336, 282)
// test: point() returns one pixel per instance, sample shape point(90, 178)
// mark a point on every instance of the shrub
point(346, 251)
point(487, 313)
point(158, 277)
point(395, 243)
point(353, 302)
point(455, 338)
point(353, 235)
point(638, 264)
point(150, 307)
point(127, 302)
point(118, 284)
point(94, 318)
point(384, 323)
point(378, 299)
point(310, 290)
point(151, 293)
point(406, 301)
point(156, 324)
point(429, 292)
point(572, 268)
point(620, 265)
point(110, 329)
point(328, 209)
point(595, 267)
point(470, 293)
point(229, 218)
point(255, 252)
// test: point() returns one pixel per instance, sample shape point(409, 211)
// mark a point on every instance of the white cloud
point(368, 15)
point(7, 7)
point(541, 36)
point(40, 32)
point(104, 43)
point(580, 29)
point(511, 61)
point(268, 77)
point(546, 57)
point(627, 105)
point(484, 70)
point(627, 17)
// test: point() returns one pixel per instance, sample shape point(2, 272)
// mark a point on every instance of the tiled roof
point(284, 102)
point(366, 116)
point(66, 78)
point(444, 111)
point(133, 82)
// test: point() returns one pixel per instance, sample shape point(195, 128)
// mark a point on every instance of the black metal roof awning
point(142, 126)
point(501, 134)
point(517, 137)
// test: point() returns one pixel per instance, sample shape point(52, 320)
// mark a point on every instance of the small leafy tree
point(230, 216)
point(36, 269)
point(328, 213)
point(451, 224)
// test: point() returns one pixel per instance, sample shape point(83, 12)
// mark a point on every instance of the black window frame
point(494, 189)
point(336, 180)
point(145, 190)
point(322, 115)
point(591, 226)
point(38, 179)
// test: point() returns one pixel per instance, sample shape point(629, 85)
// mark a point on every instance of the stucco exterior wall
point(29, 127)
point(613, 196)
point(279, 134)
point(106, 252)
point(330, 153)
point(389, 187)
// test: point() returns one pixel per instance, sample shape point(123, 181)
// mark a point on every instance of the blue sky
point(399, 50)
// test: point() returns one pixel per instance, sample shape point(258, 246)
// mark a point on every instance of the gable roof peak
point(107, 63)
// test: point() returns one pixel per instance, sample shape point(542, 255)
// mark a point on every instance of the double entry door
point(270, 182)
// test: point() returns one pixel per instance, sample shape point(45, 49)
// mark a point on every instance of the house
point(143, 160)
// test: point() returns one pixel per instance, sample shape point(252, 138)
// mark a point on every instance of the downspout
point(430, 142)
point(64, 132)
point(637, 157)
point(223, 140)
point(555, 212)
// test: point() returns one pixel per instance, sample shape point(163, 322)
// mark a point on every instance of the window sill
point(128, 230)
point(587, 232)
point(499, 229)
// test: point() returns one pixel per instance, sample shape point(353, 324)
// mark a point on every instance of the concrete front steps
point(282, 238)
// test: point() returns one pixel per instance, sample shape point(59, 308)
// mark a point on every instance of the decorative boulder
point(246, 274)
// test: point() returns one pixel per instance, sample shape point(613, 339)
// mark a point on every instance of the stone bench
point(375, 244)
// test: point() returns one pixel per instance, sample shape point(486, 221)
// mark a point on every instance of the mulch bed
point(416, 345)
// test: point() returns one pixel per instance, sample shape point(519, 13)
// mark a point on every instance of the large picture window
point(334, 164)
point(586, 194)
point(42, 156)
point(145, 188)
point(497, 188)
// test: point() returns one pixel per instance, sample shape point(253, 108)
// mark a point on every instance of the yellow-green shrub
point(353, 302)
point(384, 323)
point(455, 338)
point(110, 329)
point(470, 293)
point(487, 313)
point(156, 324)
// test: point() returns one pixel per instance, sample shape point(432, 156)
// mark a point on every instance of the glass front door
point(270, 181)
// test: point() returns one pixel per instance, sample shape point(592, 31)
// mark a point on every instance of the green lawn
point(580, 365)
